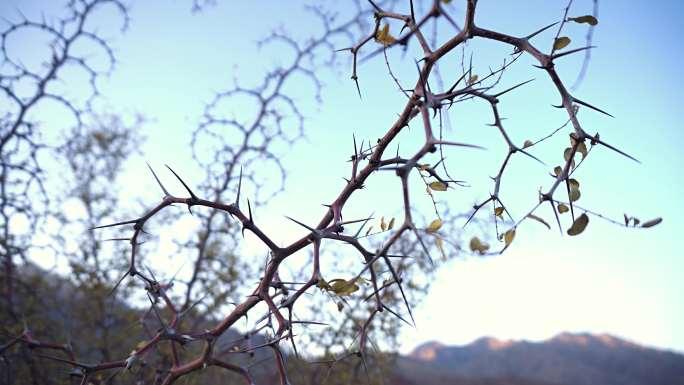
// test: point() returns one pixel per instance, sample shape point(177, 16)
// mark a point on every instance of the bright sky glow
point(609, 279)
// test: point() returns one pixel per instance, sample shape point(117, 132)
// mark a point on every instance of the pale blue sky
point(609, 279)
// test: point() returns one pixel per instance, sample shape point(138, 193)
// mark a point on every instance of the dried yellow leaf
point(438, 186)
point(567, 154)
point(498, 211)
point(440, 245)
point(561, 42)
point(434, 226)
point(579, 225)
point(383, 36)
point(586, 19)
point(652, 222)
point(509, 236)
point(540, 220)
point(527, 143)
point(574, 194)
point(477, 245)
point(391, 224)
point(582, 149)
point(383, 225)
point(573, 190)
point(562, 208)
point(342, 287)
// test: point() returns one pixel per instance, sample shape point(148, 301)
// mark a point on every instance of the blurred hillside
point(87, 325)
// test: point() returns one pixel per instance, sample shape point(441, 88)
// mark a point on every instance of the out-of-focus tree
point(31, 80)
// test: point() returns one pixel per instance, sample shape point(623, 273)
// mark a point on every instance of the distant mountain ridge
point(566, 359)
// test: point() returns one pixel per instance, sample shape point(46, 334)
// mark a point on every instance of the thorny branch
point(278, 298)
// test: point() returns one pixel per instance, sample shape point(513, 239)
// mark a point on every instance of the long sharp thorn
point(448, 143)
point(422, 244)
point(556, 56)
point(117, 239)
point(156, 313)
point(192, 194)
point(118, 283)
point(358, 88)
point(375, 6)
point(166, 193)
point(477, 208)
point(151, 273)
point(401, 289)
point(193, 305)
point(457, 83)
point(353, 221)
point(356, 152)
point(237, 198)
point(512, 88)
point(249, 210)
point(617, 150)
point(294, 346)
point(505, 210)
point(365, 367)
point(310, 323)
point(533, 34)
point(400, 256)
point(553, 207)
point(395, 314)
point(363, 225)
point(532, 156)
point(422, 82)
point(300, 223)
point(131, 222)
point(173, 278)
point(413, 14)
point(470, 217)
point(590, 106)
